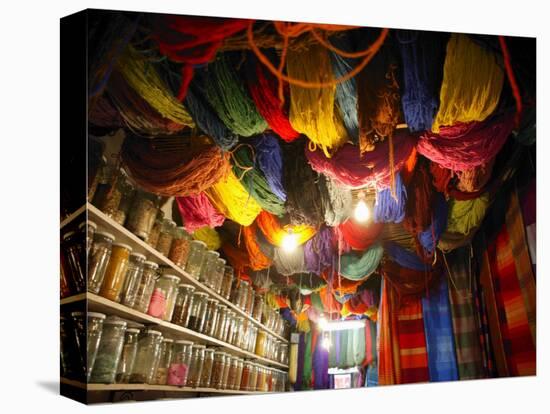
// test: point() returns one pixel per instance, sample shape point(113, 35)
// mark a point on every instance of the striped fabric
point(412, 342)
point(371, 359)
point(463, 310)
point(514, 287)
point(439, 334)
point(388, 349)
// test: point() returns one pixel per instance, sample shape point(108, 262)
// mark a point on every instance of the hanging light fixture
point(361, 213)
point(327, 326)
point(289, 242)
point(325, 342)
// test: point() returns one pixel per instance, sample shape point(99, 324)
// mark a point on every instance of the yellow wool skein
point(472, 83)
point(144, 79)
point(312, 110)
point(208, 236)
point(231, 199)
point(465, 215)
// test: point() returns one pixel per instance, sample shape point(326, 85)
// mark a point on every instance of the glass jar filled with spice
point(251, 345)
point(111, 194)
point(146, 286)
point(148, 350)
point(116, 272)
point(109, 351)
point(242, 340)
point(230, 323)
point(128, 356)
point(283, 353)
point(164, 296)
point(221, 327)
point(165, 238)
point(179, 367)
point(164, 361)
point(197, 311)
point(237, 331)
point(99, 259)
point(88, 339)
point(258, 307)
point(179, 250)
point(216, 380)
point(217, 279)
point(253, 377)
point(208, 267)
point(195, 258)
point(73, 250)
point(132, 279)
point(260, 381)
point(87, 230)
point(228, 276)
point(237, 383)
point(261, 343)
point(269, 380)
point(183, 302)
point(225, 374)
point(249, 300)
point(153, 236)
point(232, 372)
point(206, 373)
point(211, 316)
point(142, 214)
point(242, 297)
point(127, 191)
point(245, 377)
point(197, 361)
point(65, 285)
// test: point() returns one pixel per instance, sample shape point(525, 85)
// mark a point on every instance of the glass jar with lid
point(249, 300)
point(260, 381)
point(165, 238)
point(148, 350)
point(245, 377)
point(73, 248)
point(283, 353)
point(99, 259)
point(87, 230)
point(228, 275)
point(208, 267)
point(153, 236)
point(88, 340)
point(197, 311)
point(163, 298)
point(132, 279)
point(163, 361)
point(197, 361)
point(217, 278)
point(253, 378)
point(112, 194)
point(221, 329)
point(211, 316)
point(65, 285)
point(230, 329)
point(127, 197)
point(238, 331)
point(116, 272)
point(237, 383)
point(146, 286)
point(269, 380)
point(216, 380)
point(109, 351)
point(128, 356)
point(195, 258)
point(261, 342)
point(242, 340)
point(71, 364)
point(242, 294)
point(258, 307)
point(179, 250)
point(179, 367)
point(142, 214)
point(232, 373)
point(206, 373)
point(183, 303)
point(225, 374)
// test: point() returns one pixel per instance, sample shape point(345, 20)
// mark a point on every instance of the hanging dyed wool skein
point(269, 159)
point(230, 198)
point(229, 98)
point(274, 232)
point(474, 179)
point(420, 200)
point(174, 173)
point(312, 109)
point(319, 250)
point(472, 83)
point(355, 267)
point(377, 99)
point(336, 201)
point(289, 263)
point(205, 117)
point(245, 168)
point(208, 236)
point(358, 236)
point(464, 146)
point(263, 90)
point(144, 79)
point(303, 203)
point(422, 54)
point(197, 211)
point(257, 259)
point(390, 209)
point(428, 238)
point(467, 214)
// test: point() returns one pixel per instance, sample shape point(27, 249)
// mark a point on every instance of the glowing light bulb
point(362, 211)
point(290, 242)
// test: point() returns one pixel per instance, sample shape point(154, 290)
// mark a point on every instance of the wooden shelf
point(98, 303)
point(123, 235)
point(73, 216)
point(148, 387)
point(73, 299)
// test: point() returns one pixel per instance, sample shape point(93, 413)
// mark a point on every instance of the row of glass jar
point(118, 353)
